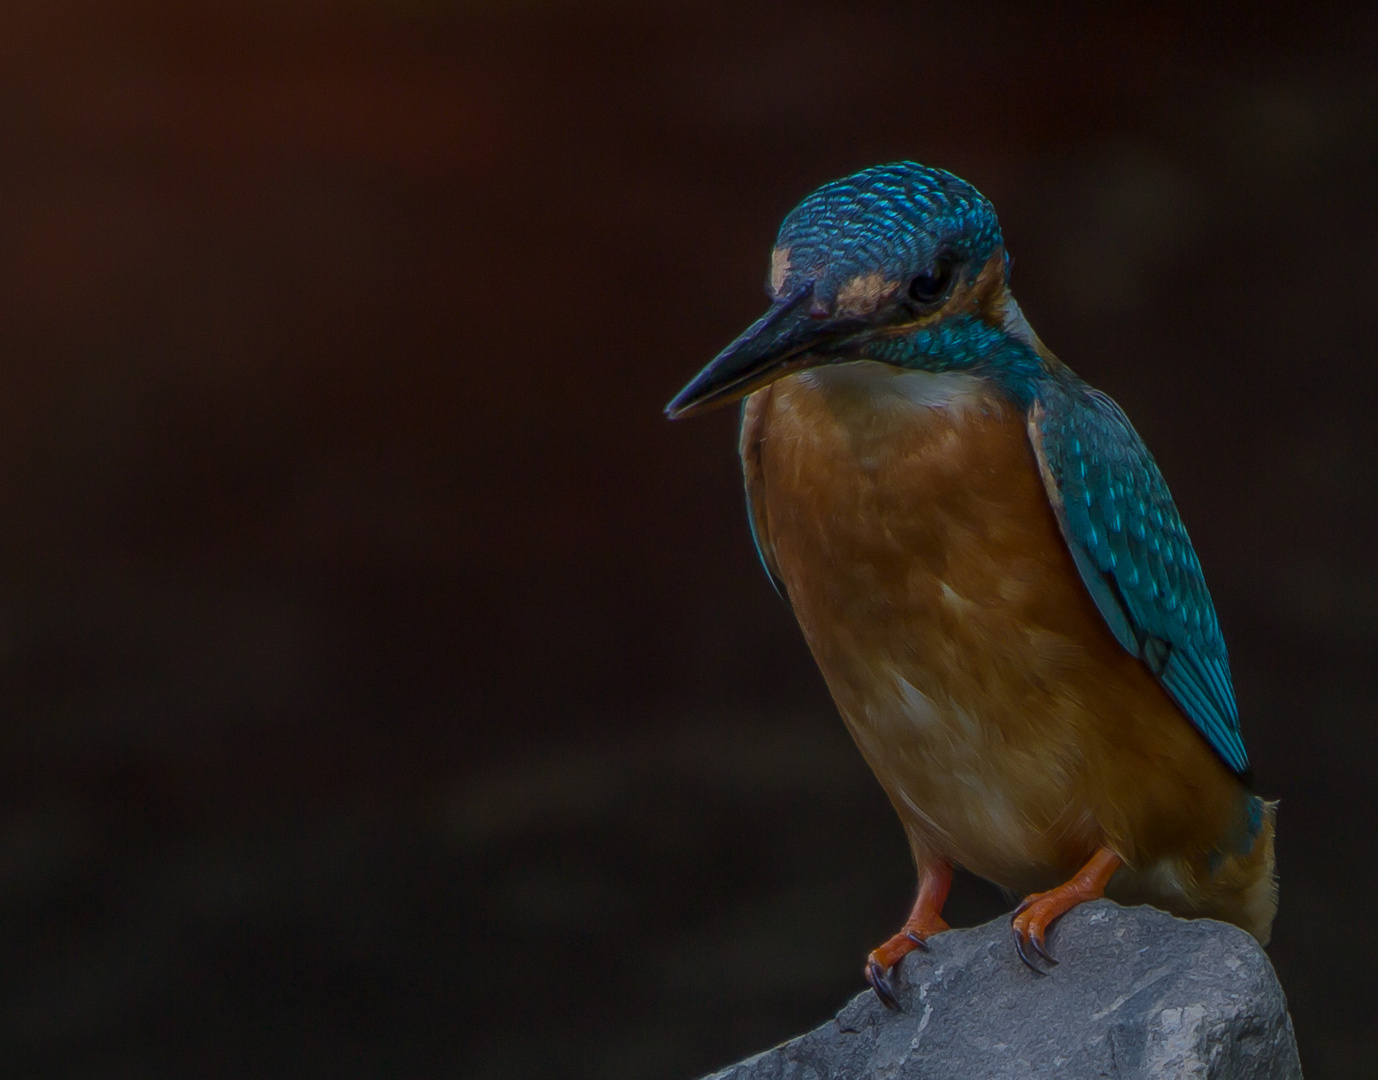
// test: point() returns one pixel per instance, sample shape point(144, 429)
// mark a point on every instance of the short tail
point(1243, 888)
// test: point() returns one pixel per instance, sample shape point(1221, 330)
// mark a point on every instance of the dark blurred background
point(388, 690)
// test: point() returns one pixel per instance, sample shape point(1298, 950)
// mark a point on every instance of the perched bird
point(990, 572)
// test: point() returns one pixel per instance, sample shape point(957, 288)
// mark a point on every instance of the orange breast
point(906, 517)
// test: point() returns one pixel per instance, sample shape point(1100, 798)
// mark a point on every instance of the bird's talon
point(1041, 949)
point(924, 920)
point(875, 975)
point(1038, 911)
point(1019, 943)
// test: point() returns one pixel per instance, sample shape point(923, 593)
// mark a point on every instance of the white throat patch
point(883, 384)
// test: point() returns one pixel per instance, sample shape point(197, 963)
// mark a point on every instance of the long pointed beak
point(786, 338)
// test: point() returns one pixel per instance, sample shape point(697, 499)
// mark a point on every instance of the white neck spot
point(882, 384)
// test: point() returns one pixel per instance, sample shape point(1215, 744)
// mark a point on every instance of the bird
point(990, 572)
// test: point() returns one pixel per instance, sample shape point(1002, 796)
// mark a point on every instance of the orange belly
point(905, 515)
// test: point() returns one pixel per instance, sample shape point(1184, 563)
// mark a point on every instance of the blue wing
point(1133, 553)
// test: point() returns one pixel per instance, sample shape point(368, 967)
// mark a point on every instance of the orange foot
point(924, 921)
point(1039, 911)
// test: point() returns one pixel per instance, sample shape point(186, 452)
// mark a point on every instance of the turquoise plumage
point(990, 571)
point(1134, 554)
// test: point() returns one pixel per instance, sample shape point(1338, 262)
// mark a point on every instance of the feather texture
point(986, 563)
point(1133, 552)
point(1011, 729)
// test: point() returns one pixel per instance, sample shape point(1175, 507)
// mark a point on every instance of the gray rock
point(1138, 993)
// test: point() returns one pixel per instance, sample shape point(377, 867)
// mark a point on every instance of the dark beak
point(786, 338)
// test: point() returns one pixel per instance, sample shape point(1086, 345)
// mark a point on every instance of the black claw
point(1042, 951)
point(1019, 943)
point(875, 975)
point(916, 940)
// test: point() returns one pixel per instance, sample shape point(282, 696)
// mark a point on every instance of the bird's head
point(901, 264)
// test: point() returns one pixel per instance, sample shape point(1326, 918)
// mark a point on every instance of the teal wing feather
point(1134, 555)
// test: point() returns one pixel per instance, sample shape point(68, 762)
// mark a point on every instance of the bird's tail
point(1243, 887)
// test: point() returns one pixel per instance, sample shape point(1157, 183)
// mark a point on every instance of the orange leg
point(924, 921)
point(1032, 918)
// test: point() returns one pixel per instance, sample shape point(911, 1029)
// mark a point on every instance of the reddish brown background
point(388, 690)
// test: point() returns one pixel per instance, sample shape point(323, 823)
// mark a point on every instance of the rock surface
point(1138, 993)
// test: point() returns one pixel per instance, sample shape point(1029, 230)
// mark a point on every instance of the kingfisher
point(990, 572)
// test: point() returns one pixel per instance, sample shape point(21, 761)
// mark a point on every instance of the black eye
point(926, 288)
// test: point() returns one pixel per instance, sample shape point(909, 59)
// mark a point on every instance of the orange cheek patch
point(863, 293)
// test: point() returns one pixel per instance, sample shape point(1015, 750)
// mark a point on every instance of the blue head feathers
point(889, 224)
point(882, 265)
